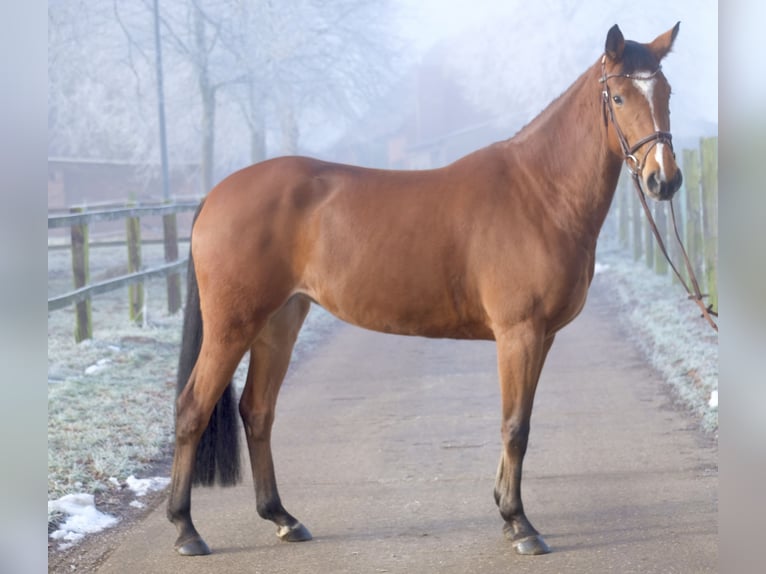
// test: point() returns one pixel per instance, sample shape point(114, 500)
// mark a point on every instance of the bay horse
point(499, 245)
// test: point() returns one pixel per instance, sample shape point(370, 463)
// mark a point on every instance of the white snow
point(82, 518)
point(668, 330)
point(100, 365)
point(142, 486)
point(600, 268)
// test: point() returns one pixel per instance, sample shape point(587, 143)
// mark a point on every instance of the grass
point(110, 401)
point(667, 327)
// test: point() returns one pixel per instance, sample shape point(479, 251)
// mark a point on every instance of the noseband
point(634, 166)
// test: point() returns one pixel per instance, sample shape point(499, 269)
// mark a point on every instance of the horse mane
point(560, 103)
point(556, 147)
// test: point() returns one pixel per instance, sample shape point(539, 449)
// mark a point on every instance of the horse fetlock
point(512, 510)
point(271, 509)
point(518, 527)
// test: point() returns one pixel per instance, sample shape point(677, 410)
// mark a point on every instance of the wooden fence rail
point(696, 207)
point(78, 221)
point(93, 289)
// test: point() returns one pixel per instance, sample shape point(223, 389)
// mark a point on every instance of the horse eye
point(617, 100)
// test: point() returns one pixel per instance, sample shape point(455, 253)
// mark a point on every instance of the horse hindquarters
point(217, 459)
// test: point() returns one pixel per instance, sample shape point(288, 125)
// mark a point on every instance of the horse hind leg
point(218, 359)
point(269, 358)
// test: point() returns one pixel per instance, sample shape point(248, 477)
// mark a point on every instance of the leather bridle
point(628, 151)
point(635, 168)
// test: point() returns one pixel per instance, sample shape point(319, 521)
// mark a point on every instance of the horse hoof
point(194, 547)
point(296, 533)
point(531, 546)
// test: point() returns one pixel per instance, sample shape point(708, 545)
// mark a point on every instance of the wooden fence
point(696, 207)
point(78, 221)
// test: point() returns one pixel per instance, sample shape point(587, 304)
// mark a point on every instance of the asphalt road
point(386, 448)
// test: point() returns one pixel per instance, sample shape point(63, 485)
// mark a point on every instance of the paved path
point(386, 448)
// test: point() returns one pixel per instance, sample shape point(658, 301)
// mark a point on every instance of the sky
point(577, 29)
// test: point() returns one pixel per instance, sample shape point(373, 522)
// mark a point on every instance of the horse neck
point(567, 146)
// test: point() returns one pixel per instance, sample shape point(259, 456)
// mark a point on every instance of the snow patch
point(600, 268)
point(142, 486)
point(713, 402)
point(100, 365)
point(82, 518)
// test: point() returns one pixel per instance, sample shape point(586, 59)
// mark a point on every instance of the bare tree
point(96, 108)
point(270, 71)
point(307, 62)
point(192, 28)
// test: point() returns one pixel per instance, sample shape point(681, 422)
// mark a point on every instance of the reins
point(635, 168)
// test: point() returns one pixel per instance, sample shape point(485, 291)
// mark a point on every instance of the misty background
point(385, 83)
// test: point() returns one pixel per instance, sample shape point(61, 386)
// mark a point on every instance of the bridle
point(635, 168)
point(628, 151)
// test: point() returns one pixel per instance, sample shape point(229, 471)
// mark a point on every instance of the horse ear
point(663, 43)
point(615, 44)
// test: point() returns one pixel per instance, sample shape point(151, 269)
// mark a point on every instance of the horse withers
point(499, 245)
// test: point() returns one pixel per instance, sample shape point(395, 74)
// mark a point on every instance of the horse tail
point(218, 451)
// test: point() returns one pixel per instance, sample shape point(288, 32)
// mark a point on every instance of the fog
point(534, 50)
point(396, 83)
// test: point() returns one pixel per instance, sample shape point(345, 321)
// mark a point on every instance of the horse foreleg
point(521, 353)
point(210, 377)
point(269, 359)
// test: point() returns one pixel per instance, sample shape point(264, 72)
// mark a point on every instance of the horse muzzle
point(657, 187)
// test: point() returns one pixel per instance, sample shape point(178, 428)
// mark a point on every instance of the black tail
point(218, 450)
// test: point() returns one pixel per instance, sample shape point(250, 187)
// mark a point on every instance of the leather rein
point(635, 167)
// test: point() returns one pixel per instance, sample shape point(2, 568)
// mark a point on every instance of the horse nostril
point(678, 180)
point(653, 181)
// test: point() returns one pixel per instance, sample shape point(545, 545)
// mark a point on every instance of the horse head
point(636, 98)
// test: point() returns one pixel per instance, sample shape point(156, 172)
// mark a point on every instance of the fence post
point(693, 208)
point(635, 212)
point(173, 280)
point(649, 242)
point(709, 157)
point(622, 207)
point(675, 247)
point(81, 273)
point(661, 220)
point(135, 291)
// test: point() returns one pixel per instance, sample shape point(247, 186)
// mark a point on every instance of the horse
point(499, 245)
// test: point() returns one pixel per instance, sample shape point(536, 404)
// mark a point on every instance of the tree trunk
point(208, 138)
point(207, 93)
point(289, 131)
point(257, 128)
